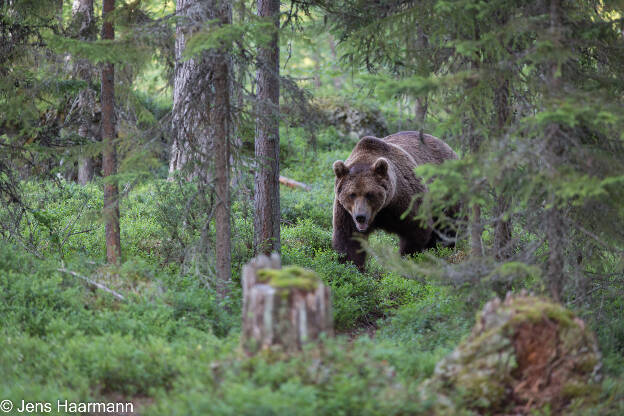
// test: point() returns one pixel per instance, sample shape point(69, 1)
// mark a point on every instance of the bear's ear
point(340, 169)
point(380, 167)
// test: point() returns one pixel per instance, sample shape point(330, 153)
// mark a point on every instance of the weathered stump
point(523, 354)
point(282, 308)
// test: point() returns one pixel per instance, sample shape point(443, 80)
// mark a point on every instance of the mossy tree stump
point(524, 353)
point(282, 308)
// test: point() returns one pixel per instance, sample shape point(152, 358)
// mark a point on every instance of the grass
point(172, 347)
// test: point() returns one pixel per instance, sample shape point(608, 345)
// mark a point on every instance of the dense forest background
point(141, 146)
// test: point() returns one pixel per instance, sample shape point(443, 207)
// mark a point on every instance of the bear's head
point(363, 190)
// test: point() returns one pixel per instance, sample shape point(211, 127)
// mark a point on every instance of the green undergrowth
point(173, 347)
point(61, 338)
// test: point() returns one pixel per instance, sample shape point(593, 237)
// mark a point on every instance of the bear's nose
point(360, 218)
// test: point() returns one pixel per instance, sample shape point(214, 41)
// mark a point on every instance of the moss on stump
point(283, 308)
point(290, 277)
point(524, 353)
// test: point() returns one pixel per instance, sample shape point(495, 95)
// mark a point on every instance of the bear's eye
point(351, 195)
point(369, 195)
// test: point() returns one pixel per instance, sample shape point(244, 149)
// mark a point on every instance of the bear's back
point(428, 150)
point(370, 148)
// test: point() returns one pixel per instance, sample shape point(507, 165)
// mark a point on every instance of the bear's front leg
point(414, 242)
point(343, 239)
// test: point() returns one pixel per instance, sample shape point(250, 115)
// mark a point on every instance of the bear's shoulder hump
point(373, 143)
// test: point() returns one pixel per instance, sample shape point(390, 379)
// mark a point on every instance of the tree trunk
point(84, 29)
point(476, 231)
point(420, 110)
point(266, 198)
point(282, 308)
point(475, 139)
point(476, 225)
point(240, 69)
point(503, 228)
point(191, 149)
point(338, 80)
point(503, 246)
point(109, 155)
point(422, 102)
point(219, 121)
point(85, 162)
point(555, 230)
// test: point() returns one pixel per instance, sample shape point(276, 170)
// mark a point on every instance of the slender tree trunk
point(219, 121)
point(266, 198)
point(338, 80)
point(476, 224)
point(109, 156)
point(238, 97)
point(476, 231)
point(84, 26)
point(475, 139)
point(420, 111)
point(85, 162)
point(422, 102)
point(317, 69)
point(503, 228)
point(555, 229)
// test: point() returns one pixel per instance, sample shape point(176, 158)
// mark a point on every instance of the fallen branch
point(94, 283)
point(291, 183)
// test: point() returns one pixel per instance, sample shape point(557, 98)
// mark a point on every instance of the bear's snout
point(361, 222)
point(361, 214)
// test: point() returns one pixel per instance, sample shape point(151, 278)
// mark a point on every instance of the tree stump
point(524, 353)
point(282, 308)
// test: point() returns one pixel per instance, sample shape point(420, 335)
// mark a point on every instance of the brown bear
point(375, 187)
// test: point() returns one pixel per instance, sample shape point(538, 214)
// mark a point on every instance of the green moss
point(574, 389)
point(536, 310)
point(289, 277)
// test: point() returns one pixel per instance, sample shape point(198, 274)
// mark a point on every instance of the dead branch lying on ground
point(291, 183)
point(93, 283)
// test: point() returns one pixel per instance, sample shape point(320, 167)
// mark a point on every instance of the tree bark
point(337, 80)
point(84, 28)
point(282, 315)
point(220, 125)
point(191, 149)
point(474, 144)
point(476, 225)
point(555, 230)
point(476, 231)
point(109, 155)
point(422, 102)
point(503, 228)
point(266, 198)
point(85, 162)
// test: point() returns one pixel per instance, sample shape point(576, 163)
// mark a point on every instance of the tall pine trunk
point(422, 102)
point(220, 125)
point(266, 198)
point(109, 155)
point(84, 29)
point(475, 140)
point(554, 224)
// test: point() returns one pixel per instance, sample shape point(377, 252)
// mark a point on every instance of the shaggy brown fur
point(375, 186)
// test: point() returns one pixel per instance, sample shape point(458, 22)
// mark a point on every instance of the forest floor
point(172, 349)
